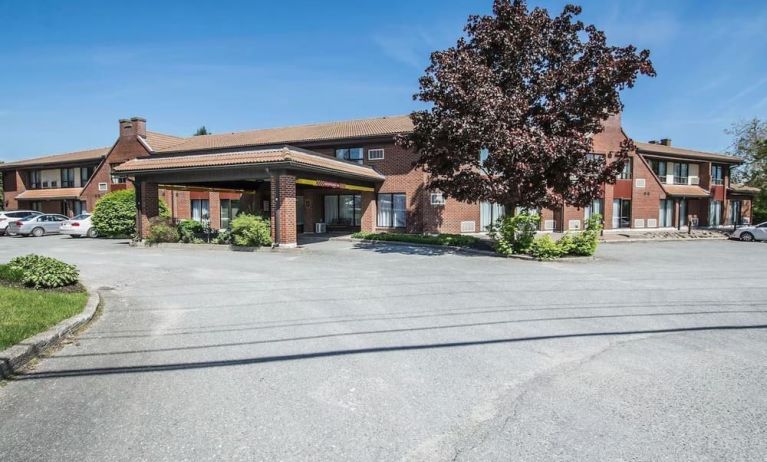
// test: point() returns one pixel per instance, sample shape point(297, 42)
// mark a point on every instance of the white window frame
point(437, 198)
point(376, 151)
point(103, 186)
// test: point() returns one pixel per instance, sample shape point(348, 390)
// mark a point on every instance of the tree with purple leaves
point(515, 104)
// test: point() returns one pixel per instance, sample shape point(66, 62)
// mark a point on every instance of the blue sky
point(70, 70)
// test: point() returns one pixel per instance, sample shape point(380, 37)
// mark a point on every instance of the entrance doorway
point(300, 214)
point(343, 211)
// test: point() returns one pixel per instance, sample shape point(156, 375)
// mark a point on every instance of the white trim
point(435, 194)
point(104, 188)
point(381, 150)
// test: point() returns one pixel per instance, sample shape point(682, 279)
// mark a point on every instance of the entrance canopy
point(290, 181)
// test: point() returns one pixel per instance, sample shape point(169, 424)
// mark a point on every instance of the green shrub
point(457, 240)
point(515, 234)
point(115, 214)
point(566, 244)
point(224, 237)
point(545, 248)
point(585, 244)
point(44, 272)
point(189, 230)
point(251, 231)
point(162, 230)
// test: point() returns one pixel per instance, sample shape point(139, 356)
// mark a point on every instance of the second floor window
point(85, 174)
point(681, 173)
point(35, 179)
point(67, 178)
point(626, 173)
point(117, 179)
point(350, 154)
point(660, 167)
point(717, 174)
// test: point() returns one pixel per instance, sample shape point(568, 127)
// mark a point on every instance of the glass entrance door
point(343, 210)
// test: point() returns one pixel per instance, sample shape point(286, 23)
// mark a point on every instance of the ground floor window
point(489, 214)
point(683, 219)
point(597, 206)
point(343, 210)
point(666, 213)
point(392, 210)
point(621, 213)
point(36, 205)
point(735, 213)
point(229, 210)
point(715, 213)
point(200, 210)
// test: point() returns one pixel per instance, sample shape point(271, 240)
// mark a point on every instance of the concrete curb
point(213, 247)
point(16, 357)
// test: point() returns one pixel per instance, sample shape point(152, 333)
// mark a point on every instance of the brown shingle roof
point(662, 150)
point(682, 190)
point(743, 189)
point(159, 141)
point(48, 194)
point(348, 129)
point(294, 156)
point(92, 154)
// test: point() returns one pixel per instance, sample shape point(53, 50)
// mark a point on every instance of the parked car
point(6, 217)
point(751, 233)
point(79, 226)
point(37, 225)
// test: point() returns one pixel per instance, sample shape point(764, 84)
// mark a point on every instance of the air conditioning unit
point(640, 183)
point(693, 180)
point(468, 226)
point(549, 225)
point(652, 223)
point(320, 228)
point(639, 223)
point(574, 225)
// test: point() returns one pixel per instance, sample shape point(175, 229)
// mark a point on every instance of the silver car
point(751, 233)
point(7, 216)
point(37, 226)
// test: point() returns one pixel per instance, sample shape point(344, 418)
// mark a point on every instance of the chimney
point(133, 127)
point(665, 141)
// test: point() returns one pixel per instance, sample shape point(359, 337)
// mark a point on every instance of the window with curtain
point(660, 167)
point(331, 210)
point(67, 178)
point(392, 210)
point(200, 210)
point(717, 174)
point(715, 213)
point(229, 210)
point(626, 172)
point(596, 206)
point(666, 213)
point(350, 154)
point(85, 175)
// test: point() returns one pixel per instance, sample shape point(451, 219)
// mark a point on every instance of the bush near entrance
point(115, 214)
point(39, 272)
point(162, 230)
point(456, 240)
point(516, 235)
point(251, 231)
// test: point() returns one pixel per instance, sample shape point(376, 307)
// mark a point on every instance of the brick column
point(148, 207)
point(283, 210)
point(369, 212)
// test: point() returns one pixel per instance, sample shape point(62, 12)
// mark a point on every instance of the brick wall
point(283, 207)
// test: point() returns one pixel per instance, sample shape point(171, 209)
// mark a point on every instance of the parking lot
point(344, 351)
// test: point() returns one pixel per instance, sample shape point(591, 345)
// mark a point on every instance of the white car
point(6, 217)
point(751, 233)
point(79, 226)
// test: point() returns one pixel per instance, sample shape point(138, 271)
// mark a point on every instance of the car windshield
point(84, 216)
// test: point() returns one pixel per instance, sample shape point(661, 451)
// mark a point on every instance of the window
point(437, 198)
point(35, 180)
point(735, 213)
point(116, 179)
point(229, 210)
point(200, 210)
point(660, 167)
point(596, 207)
point(36, 205)
point(715, 213)
point(621, 213)
point(681, 173)
point(717, 174)
point(391, 210)
point(67, 178)
point(375, 154)
point(626, 172)
point(80, 207)
point(484, 153)
point(350, 154)
point(343, 210)
point(85, 175)
point(666, 213)
point(103, 187)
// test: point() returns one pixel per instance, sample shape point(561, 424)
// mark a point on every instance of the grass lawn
point(26, 312)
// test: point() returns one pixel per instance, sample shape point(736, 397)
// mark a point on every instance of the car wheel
point(92, 233)
point(37, 232)
point(747, 237)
